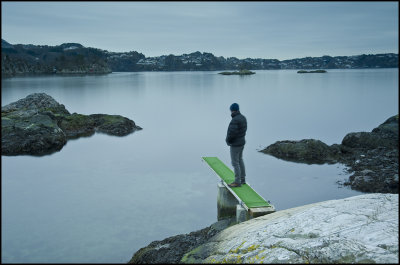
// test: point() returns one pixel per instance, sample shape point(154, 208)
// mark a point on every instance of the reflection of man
point(235, 139)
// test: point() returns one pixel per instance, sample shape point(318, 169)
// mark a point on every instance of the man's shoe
point(234, 184)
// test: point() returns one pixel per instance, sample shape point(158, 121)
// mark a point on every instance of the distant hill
point(67, 58)
point(74, 58)
point(6, 45)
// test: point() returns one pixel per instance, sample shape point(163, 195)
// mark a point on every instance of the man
point(235, 139)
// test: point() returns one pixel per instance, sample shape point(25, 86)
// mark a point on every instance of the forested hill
point(73, 58)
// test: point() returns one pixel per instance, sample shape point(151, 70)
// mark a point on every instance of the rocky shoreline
point(39, 125)
point(359, 229)
point(172, 249)
point(372, 157)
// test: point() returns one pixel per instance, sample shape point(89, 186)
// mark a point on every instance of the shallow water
point(101, 198)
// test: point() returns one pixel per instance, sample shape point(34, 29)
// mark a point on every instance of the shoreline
point(303, 234)
point(373, 157)
point(6, 76)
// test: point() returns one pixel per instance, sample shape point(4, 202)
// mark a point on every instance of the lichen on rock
point(351, 230)
point(359, 229)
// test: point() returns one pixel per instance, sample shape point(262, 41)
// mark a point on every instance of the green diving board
point(244, 193)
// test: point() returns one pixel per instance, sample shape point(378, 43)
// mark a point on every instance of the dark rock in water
point(241, 72)
point(114, 124)
point(372, 156)
point(39, 125)
point(39, 102)
point(172, 249)
point(37, 134)
point(308, 151)
point(76, 125)
point(26, 127)
point(390, 128)
point(385, 135)
point(307, 72)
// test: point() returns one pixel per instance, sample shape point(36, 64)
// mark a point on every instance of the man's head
point(234, 107)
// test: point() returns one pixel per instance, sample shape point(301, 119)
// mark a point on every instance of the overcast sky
point(269, 30)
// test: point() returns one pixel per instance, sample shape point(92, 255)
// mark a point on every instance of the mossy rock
point(38, 135)
point(76, 125)
point(194, 256)
point(38, 125)
point(308, 151)
point(114, 124)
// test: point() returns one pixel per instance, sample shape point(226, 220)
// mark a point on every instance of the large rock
point(308, 151)
point(385, 135)
point(360, 229)
point(172, 249)
point(372, 157)
point(39, 125)
point(113, 124)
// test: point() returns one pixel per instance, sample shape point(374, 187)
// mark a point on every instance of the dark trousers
point(237, 163)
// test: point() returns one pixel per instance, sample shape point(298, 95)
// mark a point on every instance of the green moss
point(112, 119)
point(138, 255)
point(190, 257)
point(106, 120)
point(55, 111)
point(76, 121)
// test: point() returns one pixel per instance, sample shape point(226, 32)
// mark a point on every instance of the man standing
point(235, 139)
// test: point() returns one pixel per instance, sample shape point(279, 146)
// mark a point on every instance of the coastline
point(324, 232)
point(361, 152)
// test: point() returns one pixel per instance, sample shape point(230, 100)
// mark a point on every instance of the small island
point(315, 71)
point(39, 125)
point(241, 72)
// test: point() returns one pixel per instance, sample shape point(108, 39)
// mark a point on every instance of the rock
point(360, 229)
point(172, 249)
point(390, 127)
point(308, 151)
point(39, 125)
point(39, 102)
point(114, 124)
point(366, 172)
point(373, 153)
point(385, 135)
point(396, 177)
point(241, 72)
point(314, 71)
point(77, 125)
point(366, 140)
point(37, 134)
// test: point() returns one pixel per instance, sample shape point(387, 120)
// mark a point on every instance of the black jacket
point(236, 130)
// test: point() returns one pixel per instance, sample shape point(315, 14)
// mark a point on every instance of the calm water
point(102, 198)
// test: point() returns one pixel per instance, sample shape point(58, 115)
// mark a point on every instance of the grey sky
point(270, 30)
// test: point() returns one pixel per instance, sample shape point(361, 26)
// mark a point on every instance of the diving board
point(247, 197)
